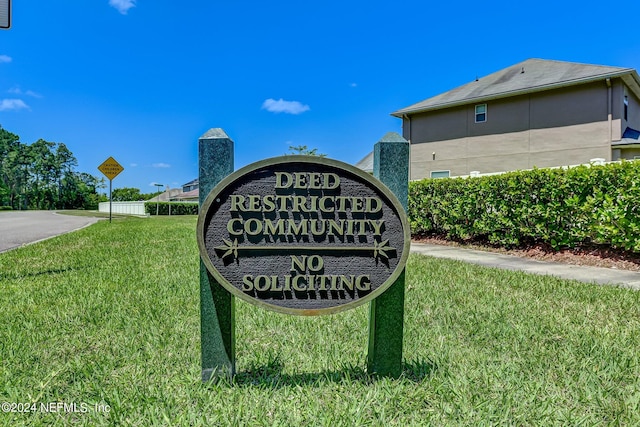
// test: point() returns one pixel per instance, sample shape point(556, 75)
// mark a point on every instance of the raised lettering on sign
point(301, 236)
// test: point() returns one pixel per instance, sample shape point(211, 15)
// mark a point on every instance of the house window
point(440, 174)
point(481, 113)
point(626, 107)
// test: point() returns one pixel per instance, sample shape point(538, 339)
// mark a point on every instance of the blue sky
point(142, 80)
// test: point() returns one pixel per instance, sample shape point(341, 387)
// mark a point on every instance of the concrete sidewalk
point(598, 275)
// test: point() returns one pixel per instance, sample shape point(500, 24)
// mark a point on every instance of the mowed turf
point(108, 317)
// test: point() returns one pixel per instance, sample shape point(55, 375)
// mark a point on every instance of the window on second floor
point(481, 113)
point(626, 107)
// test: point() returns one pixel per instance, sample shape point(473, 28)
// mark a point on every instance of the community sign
point(303, 235)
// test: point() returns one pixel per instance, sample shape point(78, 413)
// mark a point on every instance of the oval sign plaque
point(303, 235)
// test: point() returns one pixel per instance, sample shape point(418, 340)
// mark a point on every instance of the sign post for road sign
point(110, 168)
point(5, 14)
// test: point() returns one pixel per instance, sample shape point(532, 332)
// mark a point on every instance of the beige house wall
point(554, 128)
point(617, 108)
point(633, 111)
point(569, 145)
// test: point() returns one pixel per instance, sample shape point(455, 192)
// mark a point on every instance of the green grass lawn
point(109, 315)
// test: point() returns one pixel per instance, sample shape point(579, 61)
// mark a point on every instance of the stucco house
point(537, 113)
point(190, 192)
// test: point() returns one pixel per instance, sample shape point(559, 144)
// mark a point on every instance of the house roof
point(193, 194)
point(366, 164)
point(192, 182)
point(532, 75)
point(166, 196)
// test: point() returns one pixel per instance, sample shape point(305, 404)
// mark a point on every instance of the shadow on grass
point(271, 375)
point(17, 276)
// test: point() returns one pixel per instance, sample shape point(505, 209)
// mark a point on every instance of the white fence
point(592, 162)
point(129, 208)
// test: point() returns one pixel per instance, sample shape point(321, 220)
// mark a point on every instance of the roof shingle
point(531, 75)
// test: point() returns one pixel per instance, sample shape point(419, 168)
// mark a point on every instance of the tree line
point(42, 175)
point(129, 194)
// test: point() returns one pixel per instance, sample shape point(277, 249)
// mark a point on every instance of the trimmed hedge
point(177, 208)
point(561, 207)
point(6, 208)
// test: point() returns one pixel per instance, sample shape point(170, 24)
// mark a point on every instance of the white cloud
point(354, 85)
point(12, 104)
point(161, 165)
point(123, 6)
point(282, 106)
point(5, 58)
point(17, 91)
point(33, 94)
point(133, 165)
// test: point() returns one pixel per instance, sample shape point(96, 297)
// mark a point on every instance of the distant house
point(366, 164)
point(537, 113)
point(190, 192)
point(191, 185)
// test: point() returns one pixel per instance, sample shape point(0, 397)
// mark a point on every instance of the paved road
point(18, 228)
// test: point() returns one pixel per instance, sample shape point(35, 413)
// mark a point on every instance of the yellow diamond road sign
point(110, 168)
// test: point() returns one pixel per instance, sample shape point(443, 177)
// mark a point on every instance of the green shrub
point(6, 208)
point(177, 208)
point(559, 207)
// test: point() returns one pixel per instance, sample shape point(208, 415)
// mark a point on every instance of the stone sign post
point(217, 313)
point(386, 320)
point(300, 235)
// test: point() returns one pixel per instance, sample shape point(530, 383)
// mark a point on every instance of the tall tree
point(9, 143)
point(42, 176)
point(304, 151)
point(65, 163)
point(19, 161)
point(127, 194)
